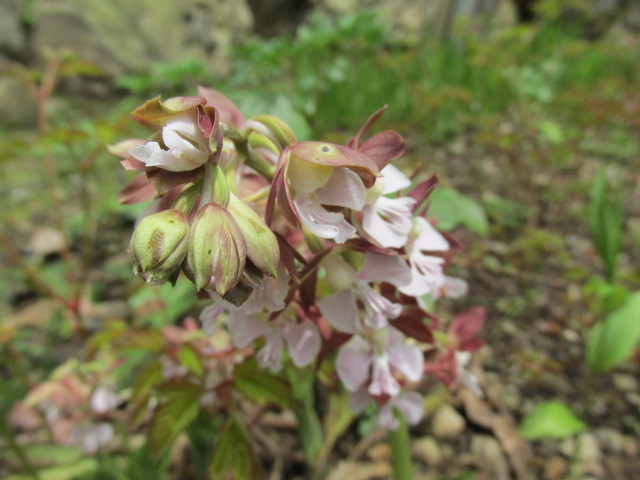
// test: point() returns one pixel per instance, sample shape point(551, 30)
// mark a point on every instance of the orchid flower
point(377, 360)
point(186, 146)
point(341, 308)
point(388, 220)
point(427, 275)
point(317, 186)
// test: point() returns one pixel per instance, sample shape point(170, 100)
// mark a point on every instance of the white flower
point(317, 186)
point(388, 220)
point(187, 148)
point(427, 274)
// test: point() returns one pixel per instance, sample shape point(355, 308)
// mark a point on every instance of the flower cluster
point(309, 251)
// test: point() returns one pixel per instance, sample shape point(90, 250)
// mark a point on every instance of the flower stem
point(401, 450)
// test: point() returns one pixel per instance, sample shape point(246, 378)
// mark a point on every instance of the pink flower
point(410, 405)
point(377, 360)
point(341, 308)
point(186, 146)
point(388, 220)
point(302, 339)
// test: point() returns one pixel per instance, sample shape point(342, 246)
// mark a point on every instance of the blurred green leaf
point(613, 340)
point(261, 386)
point(606, 213)
point(550, 420)
point(174, 414)
point(234, 456)
point(452, 209)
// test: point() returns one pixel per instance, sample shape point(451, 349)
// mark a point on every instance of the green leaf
point(190, 359)
point(606, 213)
point(173, 415)
point(614, 339)
point(451, 208)
point(550, 419)
point(234, 457)
point(260, 386)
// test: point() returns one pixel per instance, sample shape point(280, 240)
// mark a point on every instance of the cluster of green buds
point(208, 232)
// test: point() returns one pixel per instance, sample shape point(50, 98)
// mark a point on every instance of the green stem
point(401, 450)
point(309, 425)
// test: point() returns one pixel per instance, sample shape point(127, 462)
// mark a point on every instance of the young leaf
point(234, 456)
point(173, 416)
point(550, 419)
point(261, 386)
point(614, 339)
point(451, 208)
point(605, 223)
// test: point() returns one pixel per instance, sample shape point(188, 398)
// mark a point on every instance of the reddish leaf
point(411, 323)
point(355, 141)
point(164, 180)
point(383, 147)
point(137, 190)
point(229, 113)
point(422, 190)
point(467, 325)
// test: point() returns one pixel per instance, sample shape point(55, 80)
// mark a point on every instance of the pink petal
point(388, 268)
point(270, 354)
point(353, 367)
point(245, 328)
point(344, 189)
point(382, 380)
point(454, 287)
point(359, 399)
point(303, 341)
point(408, 360)
point(341, 311)
point(378, 309)
point(411, 405)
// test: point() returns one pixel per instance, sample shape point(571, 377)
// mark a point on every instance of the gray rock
point(555, 468)
point(588, 455)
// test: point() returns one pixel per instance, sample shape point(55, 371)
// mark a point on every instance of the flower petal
point(245, 328)
point(394, 180)
point(408, 360)
point(303, 341)
point(353, 367)
point(344, 189)
point(382, 380)
point(321, 222)
point(341, 311)
point(388, 268)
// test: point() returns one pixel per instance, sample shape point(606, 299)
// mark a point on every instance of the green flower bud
point(159, 245)
point(217, 250)
point(262, 245)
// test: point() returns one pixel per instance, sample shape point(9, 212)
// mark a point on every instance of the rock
point(489, 457)
point(610, 440)
point(447, 422)
point(379, 451)
point(588, 455)
point(555, 468)
point(428, 450)
point(360, 470)
point(625, 383)
point(46, 241)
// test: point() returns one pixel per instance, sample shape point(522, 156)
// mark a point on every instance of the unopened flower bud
point(262, 245)
point(217, 250)
point(159, 245)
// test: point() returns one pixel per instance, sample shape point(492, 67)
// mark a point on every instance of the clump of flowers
point(310, 253)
